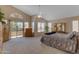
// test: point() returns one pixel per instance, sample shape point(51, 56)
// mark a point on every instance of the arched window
point(16, 15)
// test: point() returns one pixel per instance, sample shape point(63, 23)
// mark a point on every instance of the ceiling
point(50, 12)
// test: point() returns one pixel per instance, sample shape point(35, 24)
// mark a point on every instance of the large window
point(49, 27)
point(26, 24)
point(41, 27)
point(33, 26)
point(75, 25)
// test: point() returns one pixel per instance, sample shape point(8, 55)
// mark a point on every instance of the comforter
point(60, 41)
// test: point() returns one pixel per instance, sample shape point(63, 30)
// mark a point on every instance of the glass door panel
point(16, 29)
point(12, 29)
point(19, 26)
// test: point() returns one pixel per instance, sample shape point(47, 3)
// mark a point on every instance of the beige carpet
point(28, 45)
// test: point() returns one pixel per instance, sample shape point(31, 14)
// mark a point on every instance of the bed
point(65, 42)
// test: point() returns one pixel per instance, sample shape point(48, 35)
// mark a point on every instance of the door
point(19, 29)
point(16, 29)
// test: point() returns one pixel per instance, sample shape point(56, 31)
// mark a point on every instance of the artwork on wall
point(60, 27)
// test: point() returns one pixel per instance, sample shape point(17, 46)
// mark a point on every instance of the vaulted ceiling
point(50, 12)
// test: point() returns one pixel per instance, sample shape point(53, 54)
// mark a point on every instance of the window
point(75, 25)
point(19, 26)
point(41, 27)
point(33, 26)
point(49, 27)
point(16, 15)
point(26, 24)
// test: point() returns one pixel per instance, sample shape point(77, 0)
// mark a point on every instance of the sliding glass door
point(12, 29)
point(16, 29)
point(19, 29)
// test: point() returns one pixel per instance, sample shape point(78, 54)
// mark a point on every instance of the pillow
point(49, 33)
point(71, 35)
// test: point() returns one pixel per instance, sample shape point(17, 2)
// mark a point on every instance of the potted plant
point(1, 17)
point(46, 28)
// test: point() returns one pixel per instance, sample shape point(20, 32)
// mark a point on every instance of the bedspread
point(62, 43)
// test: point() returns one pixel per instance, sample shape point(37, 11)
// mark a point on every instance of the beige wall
point(68, 22)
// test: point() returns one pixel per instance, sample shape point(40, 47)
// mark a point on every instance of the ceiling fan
point(39, 15)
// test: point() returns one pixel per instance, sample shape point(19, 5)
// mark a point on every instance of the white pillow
point(71, 35)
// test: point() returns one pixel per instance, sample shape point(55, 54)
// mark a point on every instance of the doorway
point(16, 29)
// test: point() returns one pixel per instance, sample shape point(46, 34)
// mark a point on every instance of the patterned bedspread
point(60, 41)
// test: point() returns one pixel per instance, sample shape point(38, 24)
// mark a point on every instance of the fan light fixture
point(39, 14)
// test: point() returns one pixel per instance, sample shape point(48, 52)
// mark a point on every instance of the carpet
point(28, 45)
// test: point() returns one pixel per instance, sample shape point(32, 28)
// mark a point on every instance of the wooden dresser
point(28, 32)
